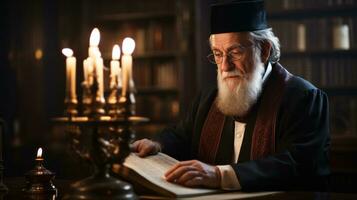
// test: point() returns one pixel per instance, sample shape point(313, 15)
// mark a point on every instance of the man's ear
point(265, 50)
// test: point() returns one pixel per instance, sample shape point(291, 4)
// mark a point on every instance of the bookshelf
point(318, 40)
point(318, 43)
point(162, 32)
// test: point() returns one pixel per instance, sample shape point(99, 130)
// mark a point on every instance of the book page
point(153, 169)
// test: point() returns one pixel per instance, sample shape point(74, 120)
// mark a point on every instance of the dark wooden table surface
point(16, 185)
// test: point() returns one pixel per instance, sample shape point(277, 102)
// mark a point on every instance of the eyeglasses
point(233, 55)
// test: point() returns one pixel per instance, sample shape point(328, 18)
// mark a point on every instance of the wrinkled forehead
point(226, 40)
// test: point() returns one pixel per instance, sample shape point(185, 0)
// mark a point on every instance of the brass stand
point(101, 142)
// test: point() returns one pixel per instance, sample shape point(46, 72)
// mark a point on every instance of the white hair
point(268, 35)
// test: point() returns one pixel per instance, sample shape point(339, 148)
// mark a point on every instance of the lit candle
point(93, 51)
point(71, 74)
point(114, 66)
point(39, 154)
point(127, 62)
point(94, 42)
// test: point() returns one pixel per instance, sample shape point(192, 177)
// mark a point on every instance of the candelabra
point(102, 140)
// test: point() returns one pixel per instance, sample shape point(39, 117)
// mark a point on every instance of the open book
point(149, 173)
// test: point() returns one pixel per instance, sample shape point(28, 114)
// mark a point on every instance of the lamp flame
point(128, 45)
point(116, 52)
point(94, 37)
point(39, 152)
point(67, 52)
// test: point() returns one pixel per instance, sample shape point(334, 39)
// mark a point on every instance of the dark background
point(32, 87)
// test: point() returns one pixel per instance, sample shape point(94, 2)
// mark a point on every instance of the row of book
point(324, 72)
point(343, 115)
point(278, 5)
point(317, 34)
point(162, 74)
point(149, 36)
point(133, 6)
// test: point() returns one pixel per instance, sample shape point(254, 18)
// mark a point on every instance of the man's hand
point(194, 173)
point(145, 147)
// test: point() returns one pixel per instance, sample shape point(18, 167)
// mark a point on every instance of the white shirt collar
point(267, 72)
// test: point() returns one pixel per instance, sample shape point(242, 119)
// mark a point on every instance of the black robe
point(302, 139)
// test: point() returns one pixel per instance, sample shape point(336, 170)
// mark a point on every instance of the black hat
point(238, 16)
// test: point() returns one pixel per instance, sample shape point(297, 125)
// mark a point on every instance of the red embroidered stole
point(211, 135)
point(263, 139)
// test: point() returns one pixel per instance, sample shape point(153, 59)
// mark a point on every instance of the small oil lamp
point(39, 179)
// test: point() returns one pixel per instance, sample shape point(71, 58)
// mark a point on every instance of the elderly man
point(263, 129)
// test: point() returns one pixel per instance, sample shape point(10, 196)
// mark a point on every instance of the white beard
point(244, 95)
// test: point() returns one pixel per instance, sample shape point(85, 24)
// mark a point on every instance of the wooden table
point(15, 186)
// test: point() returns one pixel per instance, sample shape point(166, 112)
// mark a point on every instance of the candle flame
point(39, 152)
point(67, 52)
point(116, 52)
point(94, 37)
point(128, 45)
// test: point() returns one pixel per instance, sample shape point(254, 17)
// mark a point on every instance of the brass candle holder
point(103, 140)
point(39, 181)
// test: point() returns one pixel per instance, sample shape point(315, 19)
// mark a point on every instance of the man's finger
point(144, 151)
point(182, 163)
point(195, 182)
point(176, 174)
point(188, 176)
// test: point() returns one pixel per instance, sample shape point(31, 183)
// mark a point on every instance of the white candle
point(93, 53)
point(120, 77)
point(71, 73)
point(90, 70)
point(85, 70)
point(114, 66)
point(127, 62)
point(99, 67)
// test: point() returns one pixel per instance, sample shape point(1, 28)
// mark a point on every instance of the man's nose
point(226, 65)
